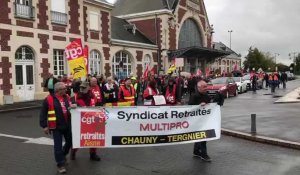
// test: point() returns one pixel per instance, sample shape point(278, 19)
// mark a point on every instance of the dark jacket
point(61, 124)
point(110, 96)
point(198, 98)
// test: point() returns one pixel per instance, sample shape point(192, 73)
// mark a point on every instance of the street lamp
point(276, 68)
point(230, 31)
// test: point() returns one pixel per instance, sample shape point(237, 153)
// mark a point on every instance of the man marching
point(97, 91)
point(127, 92)
point(171, 96)
point(83, 99)
point(55, 119)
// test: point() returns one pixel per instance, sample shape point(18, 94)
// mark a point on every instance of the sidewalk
point(277, 116)
point(21, 106)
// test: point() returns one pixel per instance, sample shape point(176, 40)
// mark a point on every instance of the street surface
point(230, 156)
point(273, 120)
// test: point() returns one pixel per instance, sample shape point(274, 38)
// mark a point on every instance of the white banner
point(144, 126)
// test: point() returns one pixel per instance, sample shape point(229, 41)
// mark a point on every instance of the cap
point(133, 78)
point(85, 84)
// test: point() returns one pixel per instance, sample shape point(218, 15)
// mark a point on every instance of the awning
point(197, 52)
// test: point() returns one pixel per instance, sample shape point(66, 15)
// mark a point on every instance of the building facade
point(226, 63)
point(34, 34)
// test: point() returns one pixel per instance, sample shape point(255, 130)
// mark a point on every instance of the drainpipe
point(159, 49)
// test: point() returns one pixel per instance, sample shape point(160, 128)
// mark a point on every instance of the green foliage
point(257, 59)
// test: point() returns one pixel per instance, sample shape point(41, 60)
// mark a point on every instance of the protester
point(110, 90)
point(126, 92)
point(284, 79)
point(55, 119)
point(201, 98)
point(83, 99)
point(50, 82)
point(136, 87)
point(171, 95)
point(97, 91)
point(149, 92)
point(68, 84)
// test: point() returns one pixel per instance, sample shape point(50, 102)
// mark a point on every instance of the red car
point(224, 85)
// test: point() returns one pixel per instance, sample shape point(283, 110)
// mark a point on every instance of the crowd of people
point(66, 93)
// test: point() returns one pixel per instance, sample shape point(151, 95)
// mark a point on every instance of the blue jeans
point(61, 151)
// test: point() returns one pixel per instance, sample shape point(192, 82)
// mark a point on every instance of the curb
point(19, 109)
point(261, 139)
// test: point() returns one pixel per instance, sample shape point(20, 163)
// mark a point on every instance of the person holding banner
point(55, 119)
point(83, 99)
point(201, 98)
point(151, 95)
point(127, 92)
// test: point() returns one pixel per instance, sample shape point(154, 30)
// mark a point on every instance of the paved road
point(273, 120)
point(230, 156)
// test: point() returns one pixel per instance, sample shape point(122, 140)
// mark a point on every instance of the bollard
point(253, 123)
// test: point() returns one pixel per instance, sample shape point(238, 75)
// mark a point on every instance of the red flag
point(153, 70)
point(86, 56)
point(207, 72)
point(74, 50)
point(145, 75)
point(199, 72)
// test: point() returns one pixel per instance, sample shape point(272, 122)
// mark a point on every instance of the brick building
point(34, 34)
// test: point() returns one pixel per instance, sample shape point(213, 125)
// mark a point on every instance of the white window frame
point(127, 62)
point(95, 62)
point(147, 61)
point(94, 20)
point(59, 62)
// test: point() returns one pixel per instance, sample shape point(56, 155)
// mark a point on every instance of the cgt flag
point(75, 56)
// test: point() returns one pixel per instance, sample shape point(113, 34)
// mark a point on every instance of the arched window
point(190, 34)
point(147, 61)
point(95, 63)
point(24, 53)
point(122, 65)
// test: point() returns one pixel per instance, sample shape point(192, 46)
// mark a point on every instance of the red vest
point(148, 92)
point(97, 93)
point(171, 96)
point(51, 113)
point(81, 103)
point(128, 94)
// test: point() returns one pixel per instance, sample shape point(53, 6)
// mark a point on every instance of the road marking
point(39, 141)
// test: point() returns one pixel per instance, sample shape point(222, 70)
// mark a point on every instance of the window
point(94, 21)
point(24, 9)
point(59, 62)
point(58, 6)
point(147, 62)
point(190, 34)
point(94, 63)
point(24, 53)
point(58, 12)
point(122, 58)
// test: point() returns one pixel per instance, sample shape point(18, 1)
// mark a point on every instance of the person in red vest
point(149, 92)
point(97, 91)
point(127, 92)
point(55, 119)
point(83, 99)
point(171, 94)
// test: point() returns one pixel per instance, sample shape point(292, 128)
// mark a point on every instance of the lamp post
point(230, 31)
point(276, 68)
point(294, 59)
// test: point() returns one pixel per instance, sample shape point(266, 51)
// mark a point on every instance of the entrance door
point(24, 81)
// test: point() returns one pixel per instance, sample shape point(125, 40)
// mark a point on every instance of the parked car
point(290, 75)
point(224, 85)
point(241, 84)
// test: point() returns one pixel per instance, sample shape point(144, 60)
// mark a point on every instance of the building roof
point(122, 30)
point(125, 7)
point(223, 47)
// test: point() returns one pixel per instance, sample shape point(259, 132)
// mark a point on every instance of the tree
point(257, 59)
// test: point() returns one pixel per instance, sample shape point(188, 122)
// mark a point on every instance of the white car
point(241, 84)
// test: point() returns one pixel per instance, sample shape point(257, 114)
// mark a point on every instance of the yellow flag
point(78, 67)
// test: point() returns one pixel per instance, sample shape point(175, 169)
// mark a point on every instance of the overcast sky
point(270, 25)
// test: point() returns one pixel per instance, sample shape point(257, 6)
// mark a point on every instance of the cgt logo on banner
point(144, 126)
point(92, 130)
point(75, 55)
